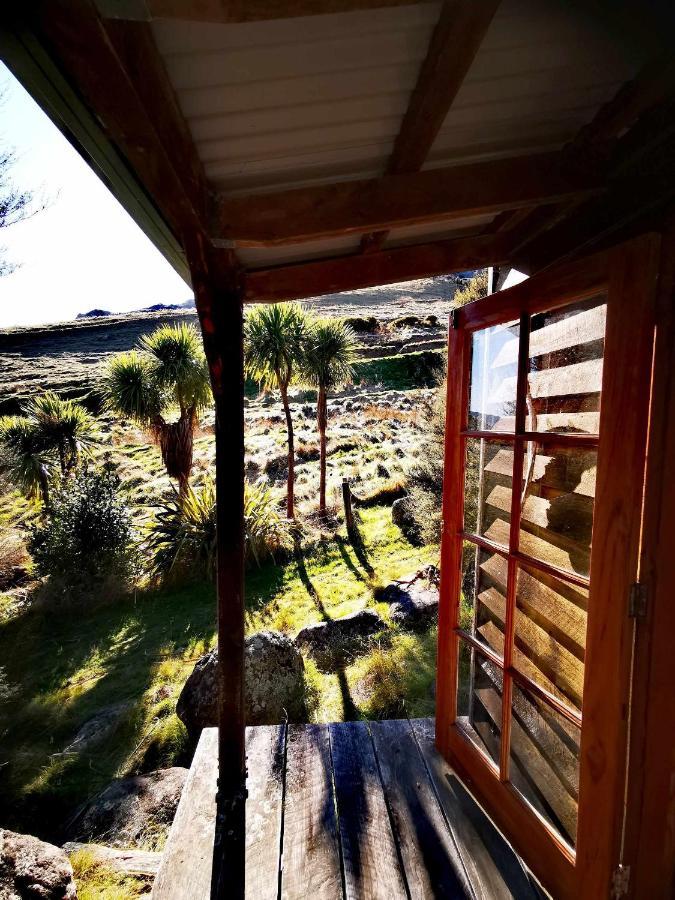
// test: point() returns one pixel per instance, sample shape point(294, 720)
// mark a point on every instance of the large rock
point(30, 868)
point(331, 640)
point(133, 811)
point(101, 726)
point(403, 517)
point(274, 686)
point(413, 601)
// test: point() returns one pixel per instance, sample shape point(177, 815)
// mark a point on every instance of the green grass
point(62, 667)
point(409, 370)
point(95, 881)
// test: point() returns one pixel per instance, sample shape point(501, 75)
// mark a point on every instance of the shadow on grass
point(64, 667)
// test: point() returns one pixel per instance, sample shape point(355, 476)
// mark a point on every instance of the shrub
point(86, 538)
point(475, 288)
point(362, 324)
point(183, 535)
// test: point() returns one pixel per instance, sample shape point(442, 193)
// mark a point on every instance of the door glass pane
point(565, 368)
point(483, 597)
point(544, 761)
point(557, 515)
point(494, 370)
point(487, 489)
point(479, 700)
point(550, 634)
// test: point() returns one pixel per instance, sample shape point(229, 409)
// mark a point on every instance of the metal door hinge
point(637, 601)
point(620, 882)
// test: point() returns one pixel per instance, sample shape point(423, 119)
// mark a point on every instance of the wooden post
point(219, 304)
point(347, 500)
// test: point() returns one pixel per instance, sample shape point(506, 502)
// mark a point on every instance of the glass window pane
point(544, 761)
point(550, 634)
point(482, 601)
point(479, 700)
point(565, 368)
point(494, 370)
point(488, 477)
point(557, 516)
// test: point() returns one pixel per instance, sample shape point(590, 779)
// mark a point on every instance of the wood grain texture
point(650, 821)
point(353, 207)
point(185, 870)
point(431, 861)
point(344, 273)
point(265, 758)
point(493, 869)
point(614, 561)
point(370, 859)
point(311, 852)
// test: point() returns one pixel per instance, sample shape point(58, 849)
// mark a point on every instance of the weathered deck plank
point(431, 861)
point(265, 756)
point(370, 859)
point(311, 852)
point(494, 870)
point(364, 811)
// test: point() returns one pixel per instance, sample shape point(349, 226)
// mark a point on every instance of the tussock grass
point(95, 881)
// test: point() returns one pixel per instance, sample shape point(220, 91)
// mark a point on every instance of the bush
point(475, 288)
point(86, 538)
point(183, 536)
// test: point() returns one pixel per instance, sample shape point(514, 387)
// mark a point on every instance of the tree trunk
point(175, 443)
point(290, 490)
point(44, 486)
point(322, 423)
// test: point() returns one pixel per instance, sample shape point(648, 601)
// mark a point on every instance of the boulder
point(101, 726)
point(30, 868)
point(413, 601)
point(274, 686)
point(133, 811)
point(329, 641)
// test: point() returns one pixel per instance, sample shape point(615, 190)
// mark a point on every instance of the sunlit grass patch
point(95, 881)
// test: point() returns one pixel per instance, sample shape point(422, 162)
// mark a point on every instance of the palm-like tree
point(273, 349)
point(167, 373)
point(328, 362)
point(49, 430)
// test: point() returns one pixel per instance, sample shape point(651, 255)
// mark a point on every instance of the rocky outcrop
point(133, 811)
point(101, 726)
point(331, 640)
point(413, 601)
point(403, 517)
point(30, 869)
point(274, 687)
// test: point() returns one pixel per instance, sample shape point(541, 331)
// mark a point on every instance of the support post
point(218, 296)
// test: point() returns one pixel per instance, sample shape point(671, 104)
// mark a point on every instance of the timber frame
point(100, 70)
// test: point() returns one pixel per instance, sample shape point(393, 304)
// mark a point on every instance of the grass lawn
point(62, 668)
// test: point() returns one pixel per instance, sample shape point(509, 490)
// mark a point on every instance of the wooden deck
point(350, 810)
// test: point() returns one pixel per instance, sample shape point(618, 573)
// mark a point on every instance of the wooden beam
point(346, 273)
point(218, 296)
point(454, 43)
point(230, 11)
point(352, 207)
point(123, 81)
point(453, 47)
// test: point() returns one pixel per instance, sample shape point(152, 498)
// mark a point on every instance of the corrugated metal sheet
point(291, 102)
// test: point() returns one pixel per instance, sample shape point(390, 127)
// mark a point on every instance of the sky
point(83, 251)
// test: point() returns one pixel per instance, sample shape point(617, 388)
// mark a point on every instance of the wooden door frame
point(627, 273)
point(649, 851)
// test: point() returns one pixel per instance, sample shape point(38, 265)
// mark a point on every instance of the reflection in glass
point(544, 761)
point(557, 515)
point(494, 371)
point(565, 368)
point(488, 478)
point(550, 634)
point(479, 700)
point(483, 596)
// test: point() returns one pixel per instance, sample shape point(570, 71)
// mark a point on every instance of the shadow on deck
point(355, 810)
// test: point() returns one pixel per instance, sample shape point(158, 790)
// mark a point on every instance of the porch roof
point(336, 145)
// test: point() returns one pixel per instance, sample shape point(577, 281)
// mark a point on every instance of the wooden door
point(548, 400)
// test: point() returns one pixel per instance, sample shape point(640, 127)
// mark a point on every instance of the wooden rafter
point(294, 282)
point(599, 146)
point(353, 207)
point(122, 78)
point(455, 41)
point(232, 11)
